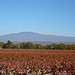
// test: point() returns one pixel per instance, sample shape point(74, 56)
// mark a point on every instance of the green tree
point(73, 46)
point(47, 46)
point(23, 45)
point(53, 46)
point(1, 44)
point(39, 46)
point(60, 46)
point(9, 44)
point(29, 45)
point(16, 46)
point(69, 47)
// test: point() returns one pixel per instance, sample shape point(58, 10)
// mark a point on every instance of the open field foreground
point(37, 62)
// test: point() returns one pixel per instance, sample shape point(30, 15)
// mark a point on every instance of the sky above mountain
point(46, 16)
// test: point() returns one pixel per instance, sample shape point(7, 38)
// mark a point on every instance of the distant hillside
point(36, 38)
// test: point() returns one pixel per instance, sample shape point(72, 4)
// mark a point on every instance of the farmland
point(37, 62)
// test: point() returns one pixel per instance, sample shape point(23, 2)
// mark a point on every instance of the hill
point(43, 38)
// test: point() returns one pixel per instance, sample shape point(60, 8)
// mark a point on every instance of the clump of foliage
point(30, 45)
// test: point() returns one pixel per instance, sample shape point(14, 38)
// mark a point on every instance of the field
point(37, 62)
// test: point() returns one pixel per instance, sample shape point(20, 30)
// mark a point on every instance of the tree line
point(30, 45)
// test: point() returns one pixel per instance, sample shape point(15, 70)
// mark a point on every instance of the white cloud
point(47, 34)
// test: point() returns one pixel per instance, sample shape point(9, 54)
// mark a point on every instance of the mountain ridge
point(36, 36)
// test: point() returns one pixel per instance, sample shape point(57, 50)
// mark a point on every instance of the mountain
point(36, 38)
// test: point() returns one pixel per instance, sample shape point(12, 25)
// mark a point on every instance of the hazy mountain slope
point(39, 37)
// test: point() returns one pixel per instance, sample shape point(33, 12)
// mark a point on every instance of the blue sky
point(46, 16)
